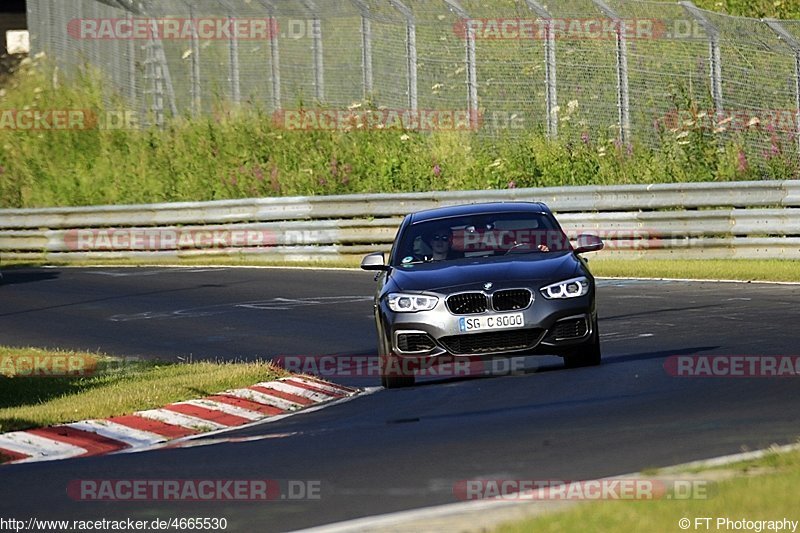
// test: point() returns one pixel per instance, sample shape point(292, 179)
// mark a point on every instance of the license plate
point(484, 323)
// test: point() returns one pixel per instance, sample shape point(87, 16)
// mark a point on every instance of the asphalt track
point(404, 449)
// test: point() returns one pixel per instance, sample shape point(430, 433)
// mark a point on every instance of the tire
point(586, 354)
point(393, 373)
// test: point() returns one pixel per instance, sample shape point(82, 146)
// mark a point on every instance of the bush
point(242, 154)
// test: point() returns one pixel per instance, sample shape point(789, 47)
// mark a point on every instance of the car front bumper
point(550, 327)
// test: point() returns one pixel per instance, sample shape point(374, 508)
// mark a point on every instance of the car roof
point(478, 209)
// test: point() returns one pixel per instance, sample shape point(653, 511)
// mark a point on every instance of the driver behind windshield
point(441, 242)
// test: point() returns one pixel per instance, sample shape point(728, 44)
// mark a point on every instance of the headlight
point(410, 303)
point(571, 288)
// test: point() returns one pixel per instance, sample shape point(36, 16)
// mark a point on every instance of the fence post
point(714, 54)
point(794, 44)
point(195, 63)
point(40, 33)
point(471, 60)
point(155, 64)
point(551, 92)
point(366, 47)
point(153, 71)
point(132, 93)
point(623, 88)
point(82, 59)
point(233, 54)
point(318, 58)
point(411, 53)
point(167, 77)
point(233, 47)
point(274, 54)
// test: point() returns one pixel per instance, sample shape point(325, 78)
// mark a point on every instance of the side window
point(421, 248)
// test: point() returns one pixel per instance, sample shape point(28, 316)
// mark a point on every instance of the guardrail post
point(623, 94)
point(794, 44)
point(411, 53)
point(471, 61)
point(551, 92)
point(714, 53)
point(366, 47)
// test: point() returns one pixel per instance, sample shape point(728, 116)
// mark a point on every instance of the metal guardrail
point(691, 220)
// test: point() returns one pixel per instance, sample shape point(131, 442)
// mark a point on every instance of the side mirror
point(374, 262)
point(589, 243)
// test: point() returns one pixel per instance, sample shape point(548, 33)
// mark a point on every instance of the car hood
point(446, 276)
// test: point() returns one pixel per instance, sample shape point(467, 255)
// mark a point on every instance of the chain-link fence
point(634, 71)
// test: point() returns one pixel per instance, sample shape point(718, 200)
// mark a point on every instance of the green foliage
point(238, 154)
point(781, 9)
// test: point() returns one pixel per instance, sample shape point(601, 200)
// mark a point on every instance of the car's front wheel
point(586, 354)
point(393, 375)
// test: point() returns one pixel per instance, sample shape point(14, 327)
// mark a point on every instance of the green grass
point(715, 269)
point(766, 496)
point(781, 9)
point(229, 155)
point(772, 460)
point(221, 261)
point(117, 387)
point(728, 269)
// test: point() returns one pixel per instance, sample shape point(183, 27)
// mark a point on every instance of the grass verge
point(761, 489)
point(728, 269)
point(213, 261)
point(99, 386)
point(247, 153)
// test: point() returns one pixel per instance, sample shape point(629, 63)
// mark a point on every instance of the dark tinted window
point(491, 235)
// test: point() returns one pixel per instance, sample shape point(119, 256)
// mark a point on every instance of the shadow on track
point(13, 276)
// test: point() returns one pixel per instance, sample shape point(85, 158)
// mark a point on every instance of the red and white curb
point(145, 429)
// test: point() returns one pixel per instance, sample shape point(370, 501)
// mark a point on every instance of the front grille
point(491, 342)
point(511, 300)
point(573, 328)
point(467, 303)
point(414, 342)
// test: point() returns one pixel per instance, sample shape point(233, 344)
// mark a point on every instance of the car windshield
point(485, 235)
